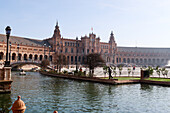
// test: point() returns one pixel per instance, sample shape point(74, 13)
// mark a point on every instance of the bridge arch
point(13, 56)
point(30, 57)
point(15, 65)
point(35, 57)
point(46, 57)
point(51, 57)
point(41, 57)
point(1, 55)
point(25, 56)
point(19, 56)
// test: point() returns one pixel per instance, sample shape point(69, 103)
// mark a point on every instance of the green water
point(43, 94)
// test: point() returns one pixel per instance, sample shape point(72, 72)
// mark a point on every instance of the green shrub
point(80, 73)
point(60, 73)
point(150, 69)
point(65, 72)
point(52, 71)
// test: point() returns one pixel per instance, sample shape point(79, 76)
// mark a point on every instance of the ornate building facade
point(26, 49)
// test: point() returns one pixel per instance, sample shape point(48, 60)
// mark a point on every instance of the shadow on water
point(5, 103)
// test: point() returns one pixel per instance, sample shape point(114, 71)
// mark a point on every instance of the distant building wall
point(75, 50)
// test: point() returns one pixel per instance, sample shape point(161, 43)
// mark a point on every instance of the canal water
point(43, 94)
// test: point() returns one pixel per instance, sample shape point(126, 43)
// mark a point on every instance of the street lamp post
point(76, 54)
point(44, 49)
point(18, 52)
point(49, 52)
point(8, 31)
point(10, 52)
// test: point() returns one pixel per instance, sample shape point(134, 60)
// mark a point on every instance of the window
point(71, 59)
point(75, 58)
point(72, 50)
point(92, 50)
point(101, 51)
point(87, 50)
point(68, 59)
point(79, 58)
point(66, 50)
point(65, 43)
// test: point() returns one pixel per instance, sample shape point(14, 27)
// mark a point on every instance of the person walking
point(110, 72)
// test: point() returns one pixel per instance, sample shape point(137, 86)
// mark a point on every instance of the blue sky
point(142, 23)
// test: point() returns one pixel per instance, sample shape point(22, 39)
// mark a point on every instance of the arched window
point(35, 57)
point(128, 60)
point(79, 58)
point(19, 56)
point(25, 56)
point(13, 56)
point(51, 57)
point(75, 58)
point(71, 59)
point(45, 57)
point(41, 57)
point(30, 57)
point(124, 60)
point(141, 60)
point(132, 60)
point(68, 59)
point(1, 55)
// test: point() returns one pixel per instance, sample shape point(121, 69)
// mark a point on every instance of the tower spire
point(57, 23)
point(56, 26)
point(112, 37)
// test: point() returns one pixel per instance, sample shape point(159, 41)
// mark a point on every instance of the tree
point(129, 71)
point(59, 60)
point(158, 71)
point(164, 72)
point(120, 70)
point(92, 61)
point(44, 64)
point(150, 69)
point(114, 70)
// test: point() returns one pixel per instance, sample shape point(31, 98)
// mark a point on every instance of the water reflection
point(5, 103)
point(43, 94)
point(146, 87)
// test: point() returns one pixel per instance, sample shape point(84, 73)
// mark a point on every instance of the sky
point(141, 23)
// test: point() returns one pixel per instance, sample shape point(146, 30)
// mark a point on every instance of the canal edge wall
point(91, 79)
point(107, 81)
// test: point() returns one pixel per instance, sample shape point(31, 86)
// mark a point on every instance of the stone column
point(7, 73)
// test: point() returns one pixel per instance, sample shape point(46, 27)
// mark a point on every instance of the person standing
point(110, 72)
